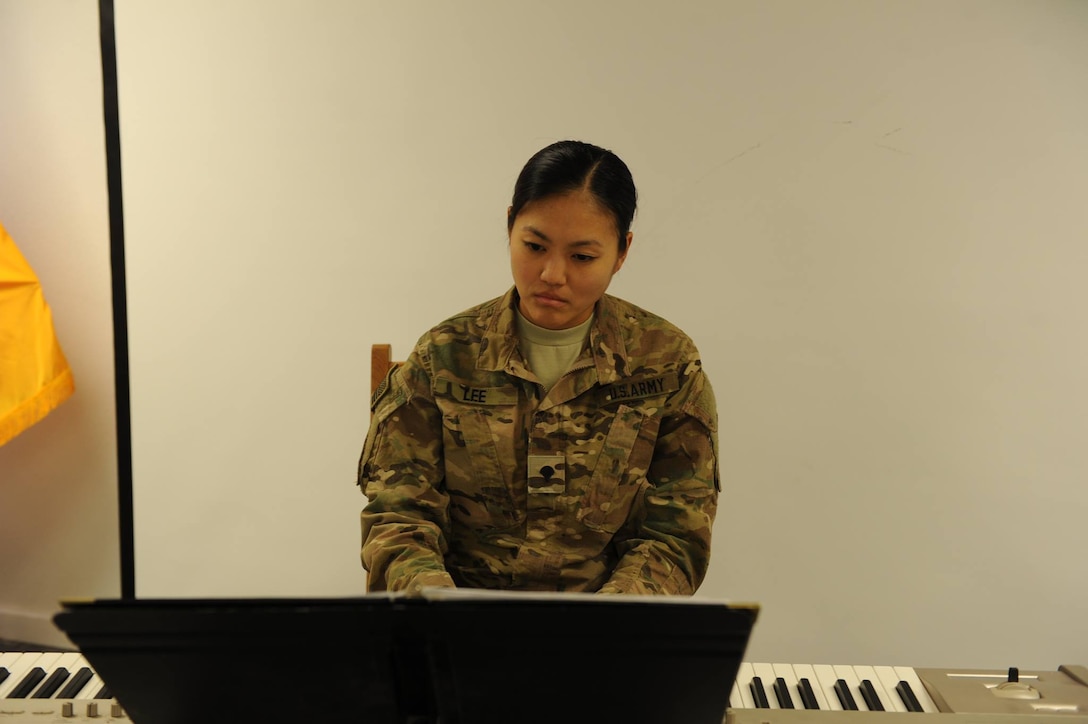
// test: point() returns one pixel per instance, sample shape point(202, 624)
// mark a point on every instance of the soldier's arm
point(406, 517)
point(666, 548)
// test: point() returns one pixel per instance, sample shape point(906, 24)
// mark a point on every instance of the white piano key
point(766, 674)
point(94, 684)
point(51, 669)
point(68, 661)
point(17, 663)
point(786, 673)
point(80, 674)
point(825, 674)
point(93, 687)
point(744, 675)
point(8, 658)
point(890, 680)
point(805, 671)
point(26, 663)
point(847, 674)
point(908, 675)
point(48, 664)
point(735, 701)
point(869, 673)
point(48, 660)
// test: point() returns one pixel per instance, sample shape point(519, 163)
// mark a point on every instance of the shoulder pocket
point(383, 388)
point(390, 396)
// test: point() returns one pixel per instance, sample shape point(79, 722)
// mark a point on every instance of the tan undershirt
point(551, 352)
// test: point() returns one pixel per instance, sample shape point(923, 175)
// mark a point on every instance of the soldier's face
point(563, 253)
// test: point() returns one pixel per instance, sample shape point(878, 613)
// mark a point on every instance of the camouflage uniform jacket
point(477, 478)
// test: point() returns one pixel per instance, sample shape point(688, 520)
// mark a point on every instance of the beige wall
point(58, 480)
point(869, 216)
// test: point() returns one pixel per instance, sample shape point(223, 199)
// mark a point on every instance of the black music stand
point(445, 657)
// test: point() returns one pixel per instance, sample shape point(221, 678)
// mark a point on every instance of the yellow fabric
point(34, 374)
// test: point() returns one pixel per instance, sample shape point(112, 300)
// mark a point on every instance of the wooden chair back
point(381, 361)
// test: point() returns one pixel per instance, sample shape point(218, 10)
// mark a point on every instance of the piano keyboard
point(803, 693)
point(43, 686)
point(826, 687)
point(62, 686)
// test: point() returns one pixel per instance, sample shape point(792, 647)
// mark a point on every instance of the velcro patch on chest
point(639, 387)
point(476, 395)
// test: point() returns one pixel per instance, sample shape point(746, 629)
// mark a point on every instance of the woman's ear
point(623, 257)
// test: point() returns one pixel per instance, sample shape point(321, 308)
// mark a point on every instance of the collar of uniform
point(606, 341)
point(499, 323)
point(499, 333)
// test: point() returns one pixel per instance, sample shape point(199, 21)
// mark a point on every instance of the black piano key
point(872, 699)
point(24, 687)
point(842, 690)
point(73, 687)
point(104, 693)
point(4, 673)
point(907, 695)
point(758, 693)
point(46, 690)
point(782, 691)
point(808, 696)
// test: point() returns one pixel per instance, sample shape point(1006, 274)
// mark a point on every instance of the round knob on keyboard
point(1015, 690)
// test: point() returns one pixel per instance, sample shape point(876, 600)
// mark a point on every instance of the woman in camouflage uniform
point(556, 438)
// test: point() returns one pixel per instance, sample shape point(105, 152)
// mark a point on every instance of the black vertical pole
point(120, 306)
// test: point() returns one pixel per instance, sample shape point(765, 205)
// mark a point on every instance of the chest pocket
point(620, 468)
point(479, 431)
